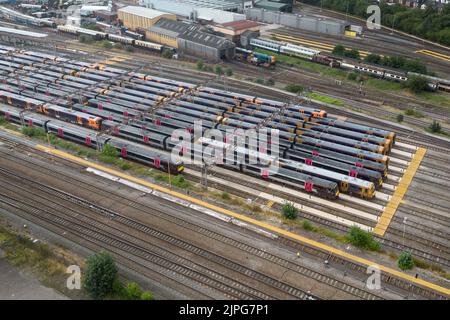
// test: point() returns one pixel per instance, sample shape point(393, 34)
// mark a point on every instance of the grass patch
point(439, 99)
point(307, 225)
point(383, 85)
point(21, 251)
point(414, 113)
point(325, 99)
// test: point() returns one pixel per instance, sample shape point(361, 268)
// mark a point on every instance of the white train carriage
point(148, 45)
point(266, 44)
point(117, 38)
point(298, 51)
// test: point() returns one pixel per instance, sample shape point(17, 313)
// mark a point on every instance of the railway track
point(260, 252)
point(157, 255)
point(211, 234)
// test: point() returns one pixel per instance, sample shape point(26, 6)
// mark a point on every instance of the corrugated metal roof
point(206, 39)
point(166, 32)
point(143, 12)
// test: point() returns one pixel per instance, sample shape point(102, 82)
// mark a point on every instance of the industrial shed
point(205, 45)
point(134, 17)
point(166, 32)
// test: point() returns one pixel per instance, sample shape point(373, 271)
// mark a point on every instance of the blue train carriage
point(256, 58)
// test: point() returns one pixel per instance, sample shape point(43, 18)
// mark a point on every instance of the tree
point(229, 72)
point(129, 48)
point(218, 70)
point(200, 64)
point(294, 88)
point(101, 272)
point(373, 58)
point(416, 84)
point(289, 211)
point(353, 53)
point(435, 127)
point(339, 50)
point(400, 118)
point(405, 261)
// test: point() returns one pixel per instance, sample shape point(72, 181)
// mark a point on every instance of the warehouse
point(194, 11)
point(274, 6)
point(226, 5)
point(166, 31)
point(134, 17)
point(190, 40)
point(204, 45)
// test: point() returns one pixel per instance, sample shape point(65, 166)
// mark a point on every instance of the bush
point(289, 211)
point(226, 196)
point(109, 151)
point(373, 58)
point(294, 88)
point(399, 118)
point(167, 54)
point(101, 272)
point(2, 120)
point(307, 225)
point(146, 296)
point(414, 113)
point(133, 291)
point(218, 70)
point(86, 39)
point(259, 81)
point(118, 45)
point(270, 82)
point(435, 127)
point(352, 76)
point(353, 53)
point(200, 64)
point(405, 261)
point(107, 44)
point(229, 72)
point(416, 84)
point(339, 50)
point(129, 48)
point(362, 239)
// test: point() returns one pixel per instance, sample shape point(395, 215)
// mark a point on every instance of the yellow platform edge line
point(434, 54)
point(278, 35)
point(399, 193)
point(325, 48)
point(261, 224)
point(318, 44)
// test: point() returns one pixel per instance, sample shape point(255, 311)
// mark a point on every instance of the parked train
point(256, 58)
point(99, 35)
point(25, 19)
point(127, 150)
point(322, 58)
